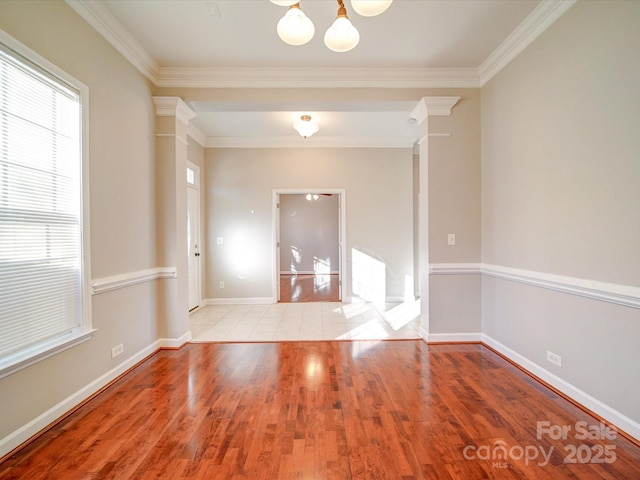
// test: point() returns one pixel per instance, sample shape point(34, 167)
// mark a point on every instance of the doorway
point(193, 234)
point(309, 230)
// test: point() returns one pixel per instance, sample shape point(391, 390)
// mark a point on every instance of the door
point(193, 234)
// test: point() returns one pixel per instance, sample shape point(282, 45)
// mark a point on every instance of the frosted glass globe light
point(341, 36)
point(370, 8)
point(305, 127)
point(295, 28)
point(285, 3)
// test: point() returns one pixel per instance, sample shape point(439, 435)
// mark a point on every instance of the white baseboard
point(24, 433)
point(453, 337)
point(239, 301)
point(423, 333)
point(611, 415)
point(174, 342)
point(309, 272)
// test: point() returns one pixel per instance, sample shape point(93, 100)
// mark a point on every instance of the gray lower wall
point(598, 341)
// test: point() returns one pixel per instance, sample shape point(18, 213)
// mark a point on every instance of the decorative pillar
point(172, 121)
point(427, 106)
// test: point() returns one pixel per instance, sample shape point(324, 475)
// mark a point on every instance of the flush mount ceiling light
point(295, 28)
point(305, 127)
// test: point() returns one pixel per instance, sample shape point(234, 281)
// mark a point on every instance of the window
point(45, 302)
point(191, 176)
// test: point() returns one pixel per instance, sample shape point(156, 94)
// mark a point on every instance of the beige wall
point(122, 208)
point(239, 185)
point(560, 195)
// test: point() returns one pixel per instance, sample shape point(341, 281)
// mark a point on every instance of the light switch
point(219, 240)
point(451, 239)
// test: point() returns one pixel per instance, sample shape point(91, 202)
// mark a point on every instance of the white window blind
point(41, 280)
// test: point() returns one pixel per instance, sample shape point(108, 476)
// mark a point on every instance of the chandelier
point(295, 28)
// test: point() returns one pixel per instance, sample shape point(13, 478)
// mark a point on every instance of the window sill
point(13, 363)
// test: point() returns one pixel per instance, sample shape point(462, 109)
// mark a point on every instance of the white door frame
point(342, 224)
point(196, 187)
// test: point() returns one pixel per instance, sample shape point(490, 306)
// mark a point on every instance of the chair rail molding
point(625, 295)
point(106, 284)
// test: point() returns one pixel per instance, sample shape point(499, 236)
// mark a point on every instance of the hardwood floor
point(324, 410)
point(309, 288)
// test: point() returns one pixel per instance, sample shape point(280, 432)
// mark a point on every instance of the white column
point(172, 122)
point(427, 106)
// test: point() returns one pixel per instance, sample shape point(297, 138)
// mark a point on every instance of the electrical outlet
point(554, 358)
point(221, 284)
point(451, 239)
point(117, 350)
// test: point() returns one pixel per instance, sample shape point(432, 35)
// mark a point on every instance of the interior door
point(193, 236)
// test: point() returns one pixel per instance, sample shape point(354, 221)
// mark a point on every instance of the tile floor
point(304, 321)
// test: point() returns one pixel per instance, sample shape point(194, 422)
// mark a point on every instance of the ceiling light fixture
point(370, 8)
point(305, 127)
point(295, 28)
point(341, 36)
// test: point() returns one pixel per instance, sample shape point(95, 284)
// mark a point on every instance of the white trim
point(424, 334)
point(336, 77)
point(454, 268)
point(311, 142)
point(607, 292)
point(101, 19)
point(611, 415)
point(41, 351)
point(307, 272)
point(179, 138)
point(173, 107)
point(174, 342)
point(25, 432)
point(197, 134)
point(544, 15)
point(453, 337)
point(106, 284)
point(625, 295)
point(41, 422)
point(433, 107)
point(239, 301)
point(275, 227)
point(196, 187)
point(33, 355)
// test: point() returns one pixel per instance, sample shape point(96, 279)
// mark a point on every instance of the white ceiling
point(233, 43)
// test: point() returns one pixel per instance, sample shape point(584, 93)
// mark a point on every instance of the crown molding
point(205, 77)
point(531, 28)
point(433, 107)
point(197, 134)
point(173, 107)
point(311, 142)
point(99, 17)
